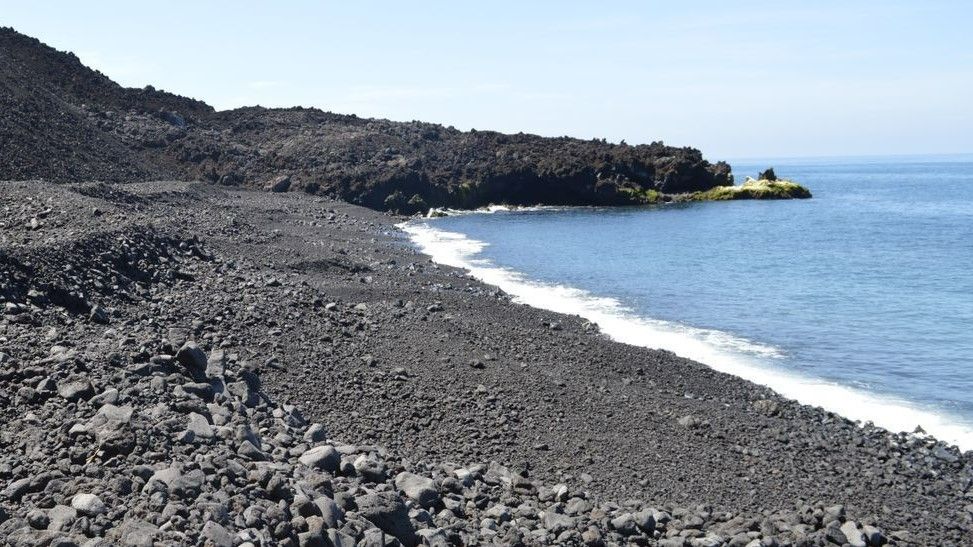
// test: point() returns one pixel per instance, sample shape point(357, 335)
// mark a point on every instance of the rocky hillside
point(64, 122)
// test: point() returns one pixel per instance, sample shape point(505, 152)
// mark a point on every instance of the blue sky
point(735, 79)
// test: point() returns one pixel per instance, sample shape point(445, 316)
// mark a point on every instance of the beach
point(339, 315)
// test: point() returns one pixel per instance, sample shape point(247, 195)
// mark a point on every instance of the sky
point(741, 79)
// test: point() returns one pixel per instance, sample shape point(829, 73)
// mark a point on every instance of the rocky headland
point(62, 121)
point(212, 363)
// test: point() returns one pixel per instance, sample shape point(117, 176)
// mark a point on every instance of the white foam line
point(489, 210)
point(720, 351)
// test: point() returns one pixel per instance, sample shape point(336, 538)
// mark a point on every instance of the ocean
point(859, 300)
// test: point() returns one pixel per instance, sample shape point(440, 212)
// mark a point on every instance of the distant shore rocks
point(751, 189)
point(768, 175)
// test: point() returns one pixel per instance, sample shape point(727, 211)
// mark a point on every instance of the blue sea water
point(859, 300)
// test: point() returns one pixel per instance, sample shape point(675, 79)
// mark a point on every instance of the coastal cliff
point(64, 122)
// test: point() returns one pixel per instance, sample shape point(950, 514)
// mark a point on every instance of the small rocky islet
point(255, 359)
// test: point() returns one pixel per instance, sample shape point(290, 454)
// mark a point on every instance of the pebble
point(88, 505)
point(853, 535)
point(324, 457)
point(387, 511)
point(75, 390)
point(199, 426)
point(421, 489)
point(193, 358)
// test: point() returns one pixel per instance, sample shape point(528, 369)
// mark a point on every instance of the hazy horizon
point(755, 80)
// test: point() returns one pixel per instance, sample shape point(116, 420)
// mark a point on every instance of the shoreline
point(891, 413)
point(338, 315)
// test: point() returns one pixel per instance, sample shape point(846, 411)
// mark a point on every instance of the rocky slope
point(184, 364)
point(63, 122)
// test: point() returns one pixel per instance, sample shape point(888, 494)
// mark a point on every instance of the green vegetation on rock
point(751, 189)
point(755, 189)
point(642, 196)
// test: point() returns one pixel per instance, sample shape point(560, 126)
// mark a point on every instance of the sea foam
point(489, 210)
point(719, 350)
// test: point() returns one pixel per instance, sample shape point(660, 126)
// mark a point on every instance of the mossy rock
point(754, 189)
point(641, 196)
